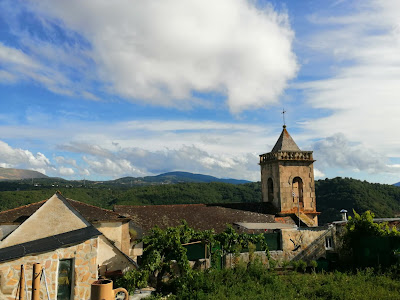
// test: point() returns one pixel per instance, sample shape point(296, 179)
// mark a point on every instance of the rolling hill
point(16, 174)
point(173, 177)
point(183, 188)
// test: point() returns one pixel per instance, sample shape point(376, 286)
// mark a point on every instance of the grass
point(256, 282)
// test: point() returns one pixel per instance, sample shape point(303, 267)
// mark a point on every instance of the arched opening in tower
point(297, 186)
point(270, 186)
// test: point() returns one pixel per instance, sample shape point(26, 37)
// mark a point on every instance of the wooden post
point(37, 268)
point(22, 284)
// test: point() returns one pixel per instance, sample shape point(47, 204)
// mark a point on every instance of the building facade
point(287, 180)
point(72, 250)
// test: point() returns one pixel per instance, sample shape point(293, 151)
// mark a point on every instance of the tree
point(164, 250)
point(165, 256)
point(368, 243)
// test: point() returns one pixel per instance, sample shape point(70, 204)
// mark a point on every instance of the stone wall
point(282, 174)
point(84, 257)
point(270, 170)
point(305, 243)
point(287, 172)
point(118, 232)
point(111, 230)
point(110, 258)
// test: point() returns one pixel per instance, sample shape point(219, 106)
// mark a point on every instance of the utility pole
point(37, 271)
point(22, 283)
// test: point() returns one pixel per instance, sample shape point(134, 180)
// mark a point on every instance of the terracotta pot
point(103, 290)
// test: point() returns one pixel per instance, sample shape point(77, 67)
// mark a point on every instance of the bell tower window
point(270, 186)
point(297, 187)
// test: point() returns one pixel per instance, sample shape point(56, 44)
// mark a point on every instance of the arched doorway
point(270, 186)
point(297, 187)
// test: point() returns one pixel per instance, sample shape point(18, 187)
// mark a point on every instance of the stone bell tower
point(287, 180)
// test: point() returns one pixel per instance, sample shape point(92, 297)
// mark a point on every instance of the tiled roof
point(91, 213)
point(20, 214)
point(95, 214)
point(198, 216)
point(285, 142)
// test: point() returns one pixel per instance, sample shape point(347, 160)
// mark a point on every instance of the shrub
point(313, 265)
point(133, 279)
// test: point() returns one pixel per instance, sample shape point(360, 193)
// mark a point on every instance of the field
point(255, 282)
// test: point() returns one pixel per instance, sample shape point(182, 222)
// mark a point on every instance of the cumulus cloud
point(64, 171)
point(160, 52)
point(338, 152)
point(361, 92)
point(318, 174)
point(19, 158)
point(138, 148)
point(142, 162)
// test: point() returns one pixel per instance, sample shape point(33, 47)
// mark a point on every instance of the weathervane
point(283, 116)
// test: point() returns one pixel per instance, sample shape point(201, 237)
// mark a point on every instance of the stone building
point(72, 250)
point(287, 180)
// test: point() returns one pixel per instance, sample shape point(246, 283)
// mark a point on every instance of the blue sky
point(102, 90)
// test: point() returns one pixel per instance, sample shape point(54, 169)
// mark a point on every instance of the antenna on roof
point(283, 116)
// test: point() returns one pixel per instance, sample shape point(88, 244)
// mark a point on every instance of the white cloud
point(142, 162)
point(62, 160)
point(338, 152)
point(84, 172)
point(111, 167)
point(20, 66)
point(64, 171)
point(362, 91)
point(151, 146)
point(19, 158)
point(318, 174)
point(159, 52)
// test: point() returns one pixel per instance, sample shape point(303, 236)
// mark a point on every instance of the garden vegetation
point(166, 267)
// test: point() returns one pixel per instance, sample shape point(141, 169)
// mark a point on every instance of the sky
point(105, 89)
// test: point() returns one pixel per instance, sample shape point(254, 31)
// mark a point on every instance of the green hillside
point(346, 193)
point(105, 196)
point(332, 195)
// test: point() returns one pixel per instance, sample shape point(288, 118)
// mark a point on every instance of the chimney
point(344, 214)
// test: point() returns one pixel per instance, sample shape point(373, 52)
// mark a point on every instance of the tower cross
point(283, 116)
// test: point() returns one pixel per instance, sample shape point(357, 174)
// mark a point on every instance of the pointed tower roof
point(285, 142)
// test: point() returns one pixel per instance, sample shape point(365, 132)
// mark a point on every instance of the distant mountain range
point(16, 174)
point(397, 184)
point(166, 178)
point(174, 177)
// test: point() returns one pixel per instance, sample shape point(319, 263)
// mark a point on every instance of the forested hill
point(332, 195)
point(338, 193)
point(107, 196)
point(172, 177)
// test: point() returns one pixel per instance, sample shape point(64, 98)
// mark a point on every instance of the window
point(297, 191)
point(65, 269)
point(328, 242)
point(270, 186)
